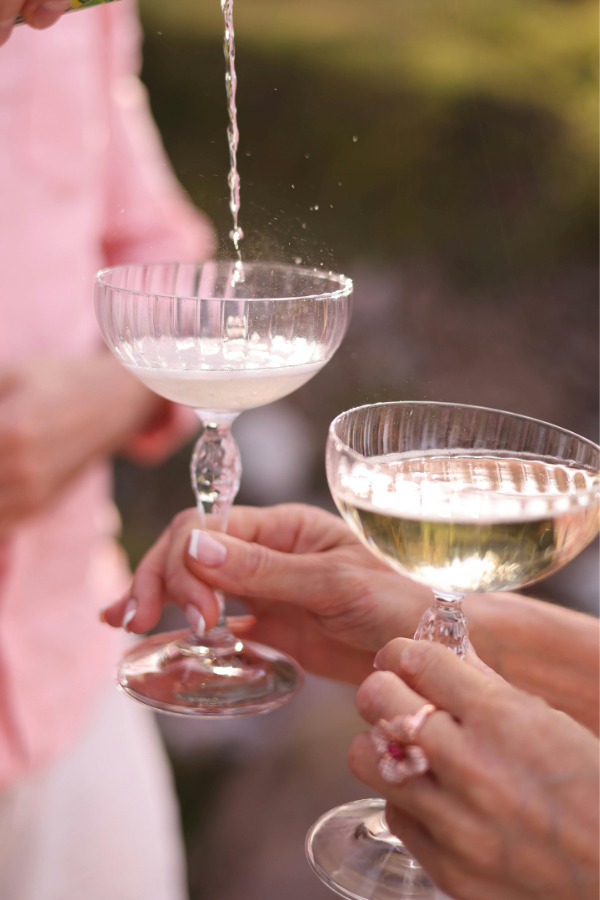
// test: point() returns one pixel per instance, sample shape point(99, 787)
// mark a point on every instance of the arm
point(543, 649)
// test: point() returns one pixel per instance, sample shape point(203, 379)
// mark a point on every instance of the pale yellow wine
point(471, 523)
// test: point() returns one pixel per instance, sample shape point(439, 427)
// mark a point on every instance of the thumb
point(253, 570)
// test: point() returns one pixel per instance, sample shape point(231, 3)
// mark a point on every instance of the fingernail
point(129, 614)
point(206, 549)
point(375, 666)
point(196, 619)
point(46, 13)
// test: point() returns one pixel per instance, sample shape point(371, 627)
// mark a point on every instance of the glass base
point(351, 850)
point(216, 675)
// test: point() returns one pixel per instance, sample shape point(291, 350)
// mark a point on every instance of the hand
point(316, 591)
point(37, 13)
point(55, 417)
point(509, 810)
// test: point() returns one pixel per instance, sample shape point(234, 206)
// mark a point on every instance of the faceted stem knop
point(445, 623)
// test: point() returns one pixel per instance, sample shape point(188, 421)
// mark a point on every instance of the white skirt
point(101, 823)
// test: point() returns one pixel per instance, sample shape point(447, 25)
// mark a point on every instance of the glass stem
point(445, 623)
point(216, 470)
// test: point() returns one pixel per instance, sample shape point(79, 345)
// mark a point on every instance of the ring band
point(415, 722)
point(400, 758)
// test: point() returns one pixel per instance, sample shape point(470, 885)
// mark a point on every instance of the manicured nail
point(206, 549)
point(196, 619)
point(129, 614)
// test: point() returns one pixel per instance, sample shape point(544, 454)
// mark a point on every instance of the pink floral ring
point(400, 758)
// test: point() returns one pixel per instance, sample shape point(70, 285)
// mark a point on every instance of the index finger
point(438, 674)
point(288, 527)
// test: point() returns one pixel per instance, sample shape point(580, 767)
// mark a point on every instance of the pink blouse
point(84, 183)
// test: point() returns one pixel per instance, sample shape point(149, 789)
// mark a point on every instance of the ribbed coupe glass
point(198, 335)
point(464, 500)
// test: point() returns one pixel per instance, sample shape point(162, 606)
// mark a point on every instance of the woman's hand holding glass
point(314, 590)
point(317, 593)
point(509, 808)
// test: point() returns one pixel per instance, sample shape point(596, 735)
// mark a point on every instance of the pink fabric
point(84, 183)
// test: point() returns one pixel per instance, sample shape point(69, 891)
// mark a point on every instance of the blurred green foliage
point(476, 126)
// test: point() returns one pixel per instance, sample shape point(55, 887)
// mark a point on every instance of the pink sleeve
point(148, 216)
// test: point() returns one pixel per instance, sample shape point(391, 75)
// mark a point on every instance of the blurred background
point(444, 155)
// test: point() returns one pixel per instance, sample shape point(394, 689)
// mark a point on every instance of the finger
point(196, 598)
point(9, 10)
point(384, 696)
point(437, 674)
point(140, 607)
point(289, 527)
point(254, 570)
point(296, 633)
point(420, 796)
point(417, 839)
point(441, 865)
point(115, 614)
point(439, 809)
point(43, 13)
point(241, 625)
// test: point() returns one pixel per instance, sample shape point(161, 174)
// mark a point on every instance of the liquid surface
point(465, 524)
point(228, 377)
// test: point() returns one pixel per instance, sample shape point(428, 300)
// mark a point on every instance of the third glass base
point(215, 675)
point(353, 853)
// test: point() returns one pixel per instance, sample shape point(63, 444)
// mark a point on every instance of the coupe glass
point(464, 500)
point(198, 335)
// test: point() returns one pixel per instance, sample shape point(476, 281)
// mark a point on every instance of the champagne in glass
point(198, 335)
point(464, 500)
point(477, 522)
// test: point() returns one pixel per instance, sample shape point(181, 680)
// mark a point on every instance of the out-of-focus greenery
point(536, 51)
point(476, 123)
point(468, 200)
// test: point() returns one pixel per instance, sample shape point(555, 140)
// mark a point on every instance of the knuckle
point(371, 691)
point(258, 562)
point(353, 609)
point(420, 661)
point(491, 702)
point(176, 583)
